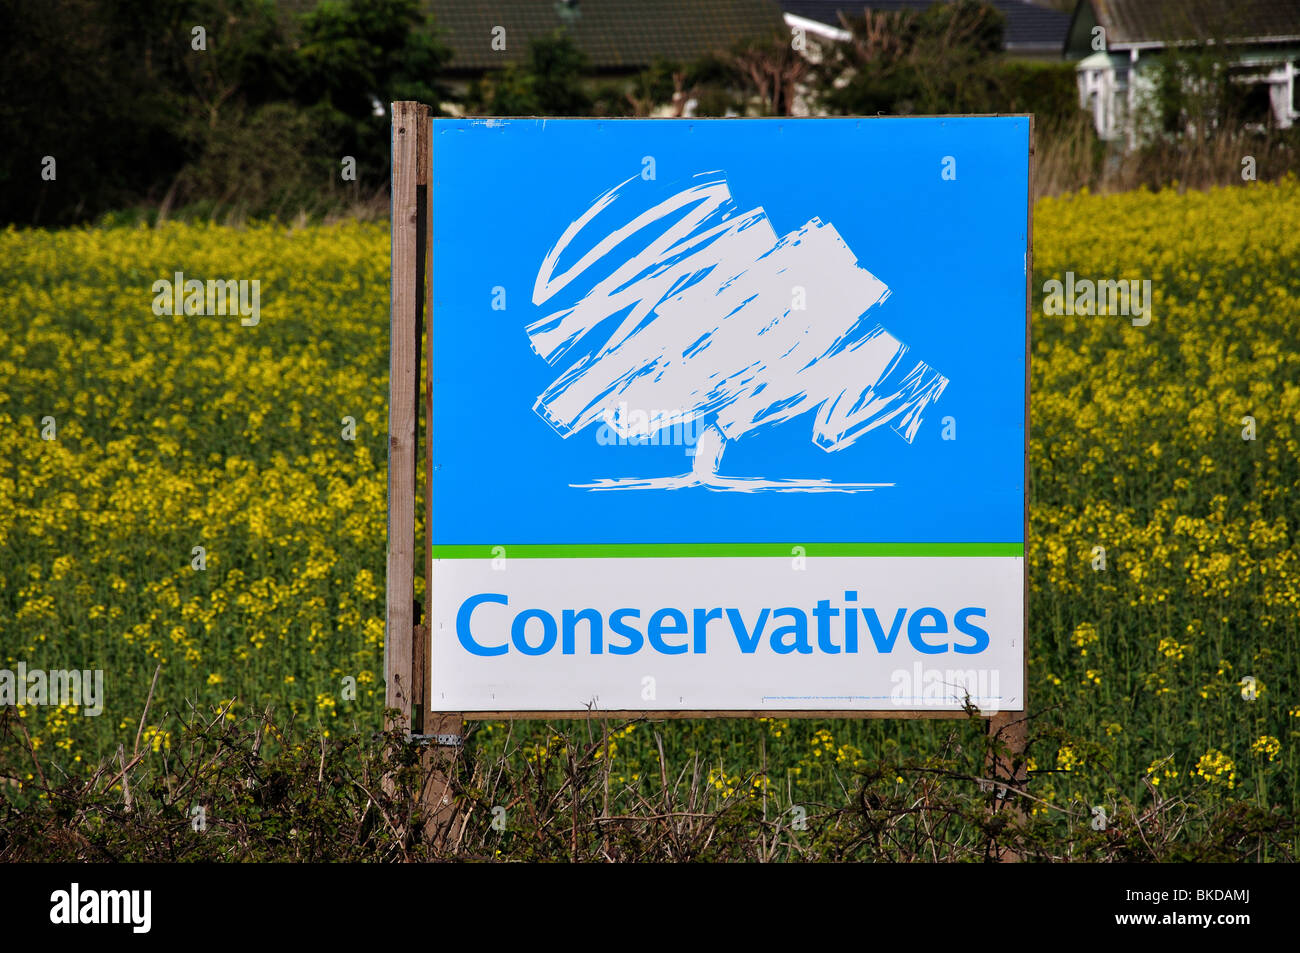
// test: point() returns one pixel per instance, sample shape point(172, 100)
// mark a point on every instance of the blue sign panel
point(666, 333)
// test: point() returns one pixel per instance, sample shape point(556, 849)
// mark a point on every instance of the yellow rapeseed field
point(1165, 580)
point(176, 432)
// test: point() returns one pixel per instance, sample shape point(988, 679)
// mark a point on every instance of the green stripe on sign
point(668, 550)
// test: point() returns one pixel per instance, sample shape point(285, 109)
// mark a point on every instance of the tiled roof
point(1148, 21)
point(1027, 26)
point(615, 34)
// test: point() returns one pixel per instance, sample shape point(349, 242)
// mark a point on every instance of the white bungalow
point(1119, 41)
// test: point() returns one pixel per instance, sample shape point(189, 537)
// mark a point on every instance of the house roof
point(615, 34)
point(1028, 27)
point(1133, 22)
point(1099, 60)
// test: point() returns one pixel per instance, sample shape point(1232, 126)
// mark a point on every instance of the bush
point(937, 61)
point(267, 163)
point(1048, 90)
point(548, 84)
point(258, 789)
point(131, 110)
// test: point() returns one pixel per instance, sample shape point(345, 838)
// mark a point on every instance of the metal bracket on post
point(442, 741)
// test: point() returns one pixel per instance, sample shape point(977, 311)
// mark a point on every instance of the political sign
point(728, 415)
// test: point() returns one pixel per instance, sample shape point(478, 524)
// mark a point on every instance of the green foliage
point(656, 85)
point(556, 66)
point(668, 86)
point(355, 53)
point(508, 92)
point(142, 124)
point(1195, 120)
point(259, 789)
point(1195, 94)
point(235, 169)
point(769, 70)
point(131, 110)
point(549, 83)
point(1048, 90)
point(940, 60)
point(106, 122)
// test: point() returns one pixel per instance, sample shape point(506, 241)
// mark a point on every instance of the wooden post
point(1009, 731)
point(399, 630)
point(442, 730)
point(1005, 766)
point(407, 663)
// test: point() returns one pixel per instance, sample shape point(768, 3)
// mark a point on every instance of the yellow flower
point(1215, 767)
point(1085, 634)
point(1161, 768)
point(1266, 745)
point(157, 739)
point(1067, 759)
point(1171, 648)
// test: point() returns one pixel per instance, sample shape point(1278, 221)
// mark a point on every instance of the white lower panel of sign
point(728, 634)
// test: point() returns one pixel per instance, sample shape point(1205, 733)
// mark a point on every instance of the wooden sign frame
point(407, 650)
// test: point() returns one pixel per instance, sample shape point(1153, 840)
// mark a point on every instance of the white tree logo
point(698, 307)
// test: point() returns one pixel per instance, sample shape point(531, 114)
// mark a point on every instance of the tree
point(771, 68)
point(549, 83)
point(716, 320)
point(939, 60)
point(157, 109)
point(705, 87)
point(357, 53)
point(93, 73)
